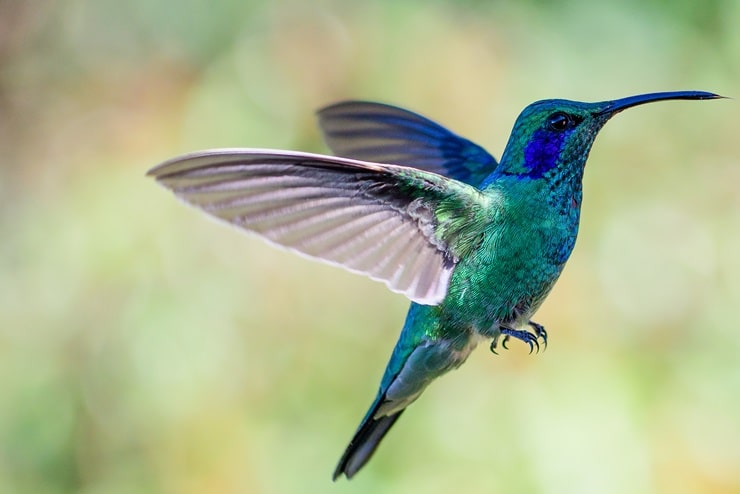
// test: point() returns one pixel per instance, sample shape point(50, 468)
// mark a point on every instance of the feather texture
point(374, 219)
point(387, 134)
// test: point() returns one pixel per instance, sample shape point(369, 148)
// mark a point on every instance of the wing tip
point(346, 103)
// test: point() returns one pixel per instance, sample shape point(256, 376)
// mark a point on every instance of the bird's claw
point(494, 344)
point(525, 336)
point(540, 332)
point(531, 339)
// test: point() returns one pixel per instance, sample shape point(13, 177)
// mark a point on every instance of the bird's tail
point(360, 449)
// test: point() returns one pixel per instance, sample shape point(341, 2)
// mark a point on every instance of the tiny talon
point(505, 341)
point(534, 343)
point(540, 331)
point(493, 346)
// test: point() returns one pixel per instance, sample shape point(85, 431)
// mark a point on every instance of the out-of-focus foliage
point(145, 349)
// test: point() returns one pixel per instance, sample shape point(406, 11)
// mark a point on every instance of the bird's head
point(553, 137)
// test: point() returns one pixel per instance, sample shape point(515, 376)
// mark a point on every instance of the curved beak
point(613, 107)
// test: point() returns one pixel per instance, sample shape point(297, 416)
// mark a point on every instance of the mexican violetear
point(475, 244)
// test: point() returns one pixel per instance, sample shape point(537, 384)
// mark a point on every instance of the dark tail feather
point(365, 442)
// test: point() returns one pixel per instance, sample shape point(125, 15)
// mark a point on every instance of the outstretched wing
point(400, 225)
point(388, 134)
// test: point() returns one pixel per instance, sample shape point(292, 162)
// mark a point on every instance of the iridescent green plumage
point(475, 244)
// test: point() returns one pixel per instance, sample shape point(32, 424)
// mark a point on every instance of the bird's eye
point(560, 121)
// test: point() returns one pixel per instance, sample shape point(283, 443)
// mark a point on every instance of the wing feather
point(382, 133)
point(374, 219)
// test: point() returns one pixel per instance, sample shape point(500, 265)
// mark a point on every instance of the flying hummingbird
point(475, 244)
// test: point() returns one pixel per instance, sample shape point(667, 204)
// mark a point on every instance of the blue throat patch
point(542, 154)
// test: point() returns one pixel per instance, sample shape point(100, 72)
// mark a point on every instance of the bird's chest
point(518, 263)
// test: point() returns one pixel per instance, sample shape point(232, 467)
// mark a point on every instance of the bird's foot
point(540, 332)
point(529, 338)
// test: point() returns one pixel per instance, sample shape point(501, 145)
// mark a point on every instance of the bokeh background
point(146, 349)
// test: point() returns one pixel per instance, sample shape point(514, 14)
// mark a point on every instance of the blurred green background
point(146, 349)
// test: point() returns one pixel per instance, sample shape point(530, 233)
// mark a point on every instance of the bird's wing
point(387, 134)
point(396, 224)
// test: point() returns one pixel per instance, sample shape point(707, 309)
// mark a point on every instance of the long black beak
point(612, 107)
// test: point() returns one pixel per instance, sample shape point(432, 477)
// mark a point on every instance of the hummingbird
point(476, 244)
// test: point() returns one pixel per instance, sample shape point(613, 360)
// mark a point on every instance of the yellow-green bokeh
point(146, 349)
